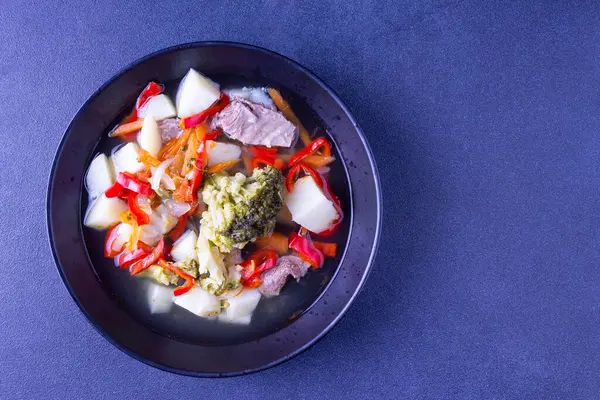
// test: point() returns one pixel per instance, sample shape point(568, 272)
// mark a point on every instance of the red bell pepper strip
point(149, 259)
point(196, 180)
point(306, 250)
point(151, 90)
point(141, 217)
point(322, 183)
point(111, 236)
point(259, 151)
point(197, 119)
point(313, 147)
point(262, 161)
point(129, 257)
point(189, 280)
point(128, 181)
point(258, 262)
point(212, 135)
point(180, 227)
point(116, 190)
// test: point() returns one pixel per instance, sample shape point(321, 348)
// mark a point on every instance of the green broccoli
point(241, 208)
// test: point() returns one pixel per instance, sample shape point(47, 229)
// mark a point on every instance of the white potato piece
point(149, 137)
point(161, 222)
point(218, 152)
point(104, 212)
point(99, 176)
point(125, 159)
point(200, 302)
point(309, 206)
point(158, 107)
point(185, 247)
point(160, 298)
point(195, 94)
point(123, 234)
point(241, 307)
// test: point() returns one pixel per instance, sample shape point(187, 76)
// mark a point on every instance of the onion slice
point(176, 208)
point(159, 173)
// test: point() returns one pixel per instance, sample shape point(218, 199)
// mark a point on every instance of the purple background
point(484, 120)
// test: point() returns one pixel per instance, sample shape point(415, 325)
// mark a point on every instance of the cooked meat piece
point(169, 129)
point(275, 278)
point(252, 123)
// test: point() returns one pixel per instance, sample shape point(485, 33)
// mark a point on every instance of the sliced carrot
point(276, 241)
point(328, 249)
point(181, 193)
point(176, 146)
point(146, 158)
point(287, 112)
point(129, 127)
point(247, 158)
point(213, 169)
point(317, 161)
point(144, 175)
point(189, 160)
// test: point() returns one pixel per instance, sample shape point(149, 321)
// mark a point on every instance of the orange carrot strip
point(146, 158)
point(213, 169)
point(276, 241)
point(328, 249)
point(317, 161)
point(189, 160)
point(124, 129)
point(287, 112)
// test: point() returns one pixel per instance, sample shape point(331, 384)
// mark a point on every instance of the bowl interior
point(324, 295)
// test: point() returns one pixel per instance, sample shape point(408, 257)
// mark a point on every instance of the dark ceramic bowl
point(318, 306)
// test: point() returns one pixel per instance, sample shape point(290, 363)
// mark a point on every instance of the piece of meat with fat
point(275, 278)
point(169, 129)
point(255, 124)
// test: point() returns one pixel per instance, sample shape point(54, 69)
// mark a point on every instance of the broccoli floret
point(240, 209)
point(161, 275)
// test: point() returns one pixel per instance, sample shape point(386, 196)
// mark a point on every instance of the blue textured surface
point(483, 118)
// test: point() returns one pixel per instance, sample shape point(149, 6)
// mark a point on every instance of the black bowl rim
point(375, 176)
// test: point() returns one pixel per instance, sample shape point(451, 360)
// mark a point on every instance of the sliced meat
point(252, 123)
point(169, 129)
point(275, 278)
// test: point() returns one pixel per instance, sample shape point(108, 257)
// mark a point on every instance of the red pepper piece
point(129, 257)
point(197, 119)
point(313, 147)
point(196, 180)
point(212, 135)
point(259, 151)
point(189, 280)
point(151, 90)
point(306, 250)
point(258, 262)
point(116, 190)
point(130, 182)
point(111, 236)
point(149, 259)
point(322, 183)
point(139, 214)
point(262, 161)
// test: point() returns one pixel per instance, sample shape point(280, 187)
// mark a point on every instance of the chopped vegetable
point(140, 216)
point(195, 94)
point(241, 209)
point(221, 166)
point(158, 107)
point(311, 202)
point(218, 152)
point(197, 119)
point(276, 241)
point(160, 298)
point(125, 159)
point(260, 151)
point(127, 258)
point(131, 183)
point(127, 128)
point(185, 247)
point(199, 302)
point(149, 137)
point(147, 159)
point(328, 249)
point(306, 250)
point(261, 162)
point(240, 307)
point(104, 212)
point(255, 265)
point(312, 148)
point(99, 176)
point(189, 280)
point(317, 161)
point(149, 259)
point(285, 109)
